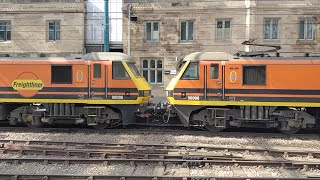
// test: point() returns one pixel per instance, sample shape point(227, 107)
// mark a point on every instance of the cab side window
point(61, 74)
point(118, 71)
point(214, 71)
point(254, 75)
point(192, 71)
point(96, 70)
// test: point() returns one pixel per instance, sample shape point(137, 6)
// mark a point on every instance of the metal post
point(129, 29)
point(106, 26)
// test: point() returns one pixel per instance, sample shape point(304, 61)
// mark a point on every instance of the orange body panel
point(292, 74)
point(82, 79)
point(42, 69)
point(286, 80)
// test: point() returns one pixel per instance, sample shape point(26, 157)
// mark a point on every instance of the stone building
point(42, 27)
point(163, 31)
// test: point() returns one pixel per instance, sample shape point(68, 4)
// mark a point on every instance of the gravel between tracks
point(144, 169)
point(84, 169)
point(193, 140)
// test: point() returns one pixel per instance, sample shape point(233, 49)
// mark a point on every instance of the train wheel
point(292, 130)
point(290, 126)
point(213, 128)
point(100, 125)
point(33, 121)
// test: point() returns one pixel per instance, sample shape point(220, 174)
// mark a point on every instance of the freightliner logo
point(27, 84)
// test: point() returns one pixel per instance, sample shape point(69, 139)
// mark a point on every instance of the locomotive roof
point(111, 56)
point(223, 56)
point(197, 56)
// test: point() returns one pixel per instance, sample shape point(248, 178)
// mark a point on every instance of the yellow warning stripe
point(241, 103)
point(139, 100)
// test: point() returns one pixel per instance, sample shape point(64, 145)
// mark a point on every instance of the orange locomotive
point(98, 89)
point(218, 90)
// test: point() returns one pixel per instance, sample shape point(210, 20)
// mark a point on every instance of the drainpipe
point(129, 29)
point(106, 26)
point(248, 22)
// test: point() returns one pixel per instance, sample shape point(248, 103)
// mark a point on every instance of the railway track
point(50, 147)
point(163, 156)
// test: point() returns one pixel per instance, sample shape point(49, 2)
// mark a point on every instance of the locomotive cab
point(198, 79)
point(115, 77)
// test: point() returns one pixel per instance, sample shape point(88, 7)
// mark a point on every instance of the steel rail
point(114, 154)
point(186, 162)
point(129, 177)
point(106, 177)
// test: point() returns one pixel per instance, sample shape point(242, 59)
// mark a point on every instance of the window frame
point(152, 40)
point(149, 69)
point(7, 23)
point(133, 68)
point(305, 32)
point(271, 29)
point(97, 70)
point(187, 31)
point(119, 78)
point(223, 39)
point(198, 67)
point(211, 65)
point(62, 65)
point(55, 39)
point(258, 65)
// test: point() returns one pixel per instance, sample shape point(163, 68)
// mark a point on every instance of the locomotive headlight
point(169, 93)
point(147, 93)
point(144, 93)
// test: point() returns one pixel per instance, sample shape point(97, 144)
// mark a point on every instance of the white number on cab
point(117, 97)
point(195, 98)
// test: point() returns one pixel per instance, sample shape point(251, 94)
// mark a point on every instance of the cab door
point(213, 80)
point(191, 83)
point(97, 83)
